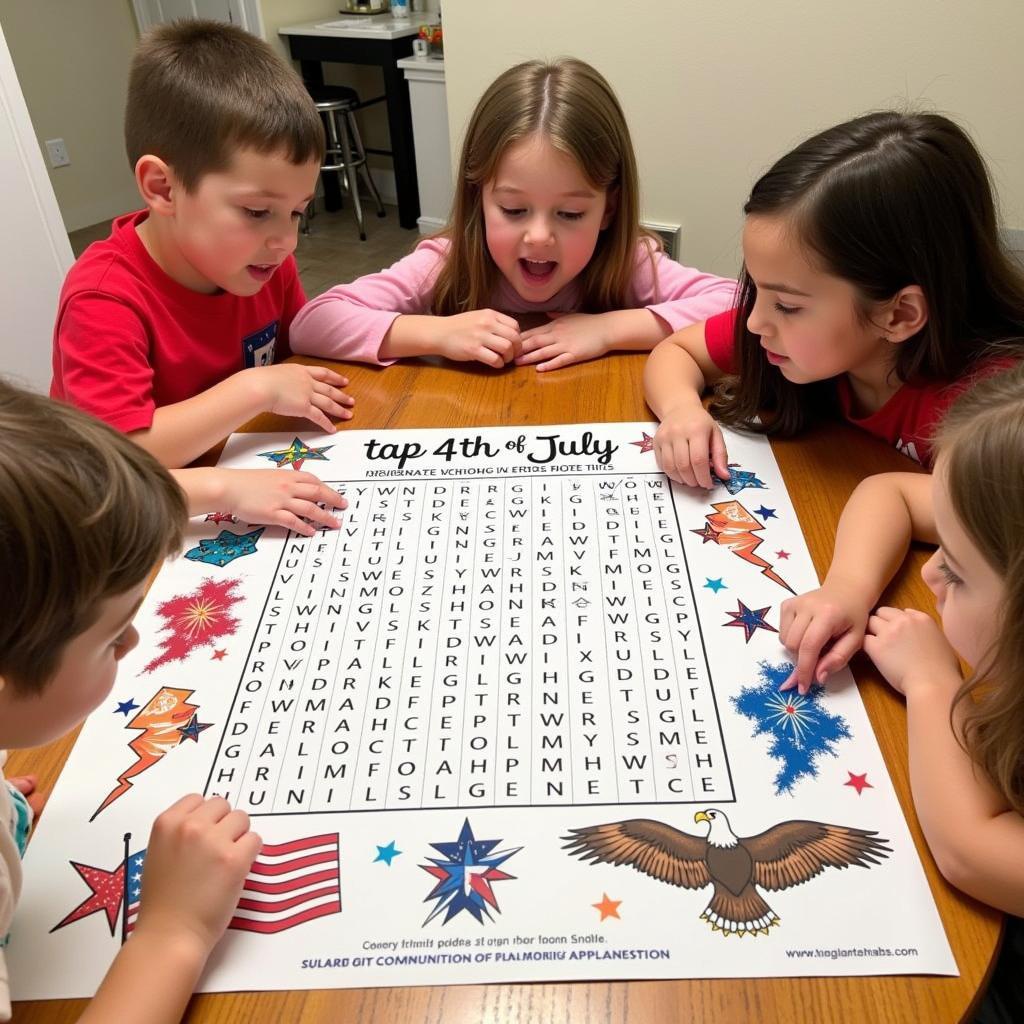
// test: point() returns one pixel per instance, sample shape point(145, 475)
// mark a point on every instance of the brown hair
point(200, 90)
point(572, 106)
point(982, 444)
point(884, 201)
point(85, 515)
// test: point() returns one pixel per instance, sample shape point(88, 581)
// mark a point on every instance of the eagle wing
point(795, 851)
point(652, 847)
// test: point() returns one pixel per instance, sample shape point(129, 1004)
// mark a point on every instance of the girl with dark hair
point(874, 287)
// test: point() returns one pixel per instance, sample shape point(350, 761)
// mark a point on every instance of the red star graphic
point(107, 893)
point(220, 517)
point(859, 782)
point(647, 444)
point(782, 554)
point(607, 907)
point(219, 655)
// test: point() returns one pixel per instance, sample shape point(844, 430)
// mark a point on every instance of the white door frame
point(31, 277)
point(244, 13)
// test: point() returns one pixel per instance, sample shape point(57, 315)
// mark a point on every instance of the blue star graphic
point(295, 454)
point(465, 875)
point(750, 619)
point(740, 479)
point(387, 853)
point(766, 513)
point(225, 547)
point(126, 707)
point(714, 585)
point(193, 729)
point(801, 729)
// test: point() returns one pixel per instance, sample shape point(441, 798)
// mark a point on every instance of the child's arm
point(882, 516)
point(285, 498)
point(689, 444)
point(181, 432)
point(198, 856)
point(382, 317)
point(668, 297)
point(977, 841)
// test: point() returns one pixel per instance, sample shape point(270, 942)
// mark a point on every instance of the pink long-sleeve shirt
point(351, 320)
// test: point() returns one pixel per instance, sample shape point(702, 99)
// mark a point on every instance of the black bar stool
point(345, 154)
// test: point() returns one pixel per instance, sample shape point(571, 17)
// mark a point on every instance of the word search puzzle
point(517, 719)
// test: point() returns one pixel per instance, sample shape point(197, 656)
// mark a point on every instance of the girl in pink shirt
point(545, 221)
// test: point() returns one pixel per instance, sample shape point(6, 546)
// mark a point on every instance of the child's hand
point(312, 392)
point(483, 334)
point(569, 338)
point(910, 650)
point(198, 856)
point(280, 498)
point(27, 786)
point(688, 445)
point(810, 622)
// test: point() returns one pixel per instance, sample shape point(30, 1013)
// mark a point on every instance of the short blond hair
point(85, 514)
point(198, 91)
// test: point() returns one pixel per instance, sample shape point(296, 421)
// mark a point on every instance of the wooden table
point(820, 471)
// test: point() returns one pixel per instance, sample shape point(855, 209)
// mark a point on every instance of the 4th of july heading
point(540, 449)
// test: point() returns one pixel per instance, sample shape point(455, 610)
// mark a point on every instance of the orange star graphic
point(219, 655)
point(607, 907)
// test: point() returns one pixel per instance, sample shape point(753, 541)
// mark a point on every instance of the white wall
point(714, 92)
point(72, 60)
point(37, 253)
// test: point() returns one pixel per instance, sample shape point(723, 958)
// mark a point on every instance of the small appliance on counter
point(364, 6)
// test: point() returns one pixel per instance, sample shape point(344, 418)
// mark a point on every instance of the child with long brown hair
point(966, 738)
point(873, 287)
point(545, 221)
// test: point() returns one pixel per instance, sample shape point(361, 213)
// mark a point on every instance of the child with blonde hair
point(545, 221)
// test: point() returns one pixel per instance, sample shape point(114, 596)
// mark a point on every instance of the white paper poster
point(518, 719)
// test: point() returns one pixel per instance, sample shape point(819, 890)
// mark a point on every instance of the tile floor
point(331, 253)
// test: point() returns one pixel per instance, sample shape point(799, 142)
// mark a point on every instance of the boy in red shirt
point(173, 328)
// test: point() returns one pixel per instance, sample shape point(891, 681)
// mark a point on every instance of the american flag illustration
point(289, 883)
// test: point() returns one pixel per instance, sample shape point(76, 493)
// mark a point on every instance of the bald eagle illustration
point(788, 854)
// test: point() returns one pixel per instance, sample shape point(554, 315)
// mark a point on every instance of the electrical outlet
point(669, 235)
point(58, 153)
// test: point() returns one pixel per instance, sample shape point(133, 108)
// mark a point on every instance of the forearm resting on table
point(633, 330)
point(977, 842)
point(150, 982)
point(410, 335)
point(671, 377)
point(181, 432)
point(882, 516)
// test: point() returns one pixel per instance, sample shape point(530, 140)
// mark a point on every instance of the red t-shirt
point(129, 339)
point(907, 421)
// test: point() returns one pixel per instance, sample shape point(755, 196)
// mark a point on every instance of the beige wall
point(714, 92)
point(72, 62)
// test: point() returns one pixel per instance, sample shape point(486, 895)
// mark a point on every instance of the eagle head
point(719, 831)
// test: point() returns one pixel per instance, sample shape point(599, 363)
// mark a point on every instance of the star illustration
point(766, 513)
point(708, 532)
point(296, 454)
point(225, 547)
point(126, 707)
point(782, 554)
point(387, 853)
point(107, 892)
point(647, 444)
point(741, 478)
point(750, 620)
point(607, 907)
point(193, 729)
point(220, 517)
point(714, 585)
point(466, 874)
point(859, 782)
point(219, 655)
